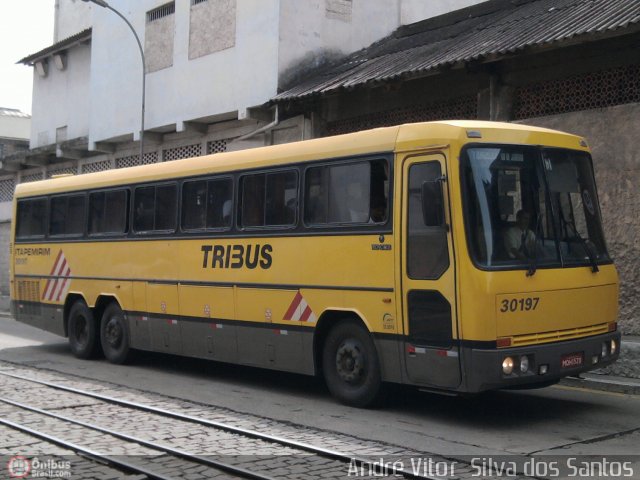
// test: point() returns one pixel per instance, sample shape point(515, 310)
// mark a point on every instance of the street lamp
point(102, 3)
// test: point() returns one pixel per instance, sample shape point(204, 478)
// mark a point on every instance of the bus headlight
point(614, 347)
point(507, 365)
point(524, 364)
point(605, 350)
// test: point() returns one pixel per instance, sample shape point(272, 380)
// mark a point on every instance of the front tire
point(351, 367)
point(114, 335)
point(83, 331)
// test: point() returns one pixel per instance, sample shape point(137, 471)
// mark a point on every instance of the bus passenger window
point(347, 194)
point(269, 200)
point(207, 204)
point(219, 195)
point(253, 201)
point(67, 215)
point(165, 208)
point(32, 218)
point(194, 207)
point(108, 212)
point(155, 208)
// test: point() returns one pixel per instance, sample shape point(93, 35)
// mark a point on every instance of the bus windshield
point(531, 206)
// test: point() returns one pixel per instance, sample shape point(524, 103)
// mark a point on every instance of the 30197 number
point(519, 304)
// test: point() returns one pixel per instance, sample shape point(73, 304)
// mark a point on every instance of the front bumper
point(483, 368)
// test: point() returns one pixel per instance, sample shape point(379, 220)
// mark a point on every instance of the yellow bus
point(454, 256)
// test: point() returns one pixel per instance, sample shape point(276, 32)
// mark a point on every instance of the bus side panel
point(139, 334)
point(206, 313)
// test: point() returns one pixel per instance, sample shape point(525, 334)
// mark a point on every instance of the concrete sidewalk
point(622, 377)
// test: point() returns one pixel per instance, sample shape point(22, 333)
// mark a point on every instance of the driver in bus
point(519, 241)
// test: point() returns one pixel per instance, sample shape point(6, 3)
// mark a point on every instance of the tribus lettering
point(236, 256)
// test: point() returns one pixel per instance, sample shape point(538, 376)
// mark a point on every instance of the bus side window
point(108, 212)
point(155, 208)
point(67, 215)
point(352, 193)
point(194, 205)
point(32, 218)
point(269, 200)
point(219, 195)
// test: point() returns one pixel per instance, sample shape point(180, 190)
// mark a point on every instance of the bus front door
point(431, 355)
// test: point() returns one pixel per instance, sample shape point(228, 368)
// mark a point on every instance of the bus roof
point(405, 137)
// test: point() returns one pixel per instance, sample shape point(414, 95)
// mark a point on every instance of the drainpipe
point(276, 121)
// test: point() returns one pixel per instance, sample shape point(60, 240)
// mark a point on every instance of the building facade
point(15, 128)
point(211, 68)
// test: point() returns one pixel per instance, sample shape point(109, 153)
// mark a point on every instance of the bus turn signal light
point(503, 342)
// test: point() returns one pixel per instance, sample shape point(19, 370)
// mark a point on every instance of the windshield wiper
point(585, 245)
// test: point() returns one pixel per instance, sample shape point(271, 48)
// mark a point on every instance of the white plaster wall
point(62, 99)
point(308, 37)
point(71, 17)
point(226, 81)
point(15, 127)
point(6, 210)
point(415, 10)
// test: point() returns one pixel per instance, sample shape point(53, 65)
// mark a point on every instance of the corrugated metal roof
point(483, 32)
point(12, 112)
point(82, 36)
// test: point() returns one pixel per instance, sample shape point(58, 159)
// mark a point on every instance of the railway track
point(278, 456)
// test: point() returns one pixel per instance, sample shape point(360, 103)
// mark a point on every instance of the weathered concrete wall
point(212, 27)
point(71, 17)
point(612, 134)
point(315, 32)
point(158, 43)
point(61, 99)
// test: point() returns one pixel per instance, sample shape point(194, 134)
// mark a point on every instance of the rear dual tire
point(114, 335)
point(87, 336)
point(84, 338)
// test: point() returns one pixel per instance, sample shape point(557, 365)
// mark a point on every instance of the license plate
point(571, 361)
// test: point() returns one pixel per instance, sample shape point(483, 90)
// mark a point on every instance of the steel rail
point(130, 438)
point(323, 452)
point(87, 452)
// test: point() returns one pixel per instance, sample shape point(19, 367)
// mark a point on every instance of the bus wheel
point(83, 331)
point(350, 365)
point(114, 335)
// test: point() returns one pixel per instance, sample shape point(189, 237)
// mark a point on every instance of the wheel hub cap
point(81, 330)
point(113, 332)
point(349, 361)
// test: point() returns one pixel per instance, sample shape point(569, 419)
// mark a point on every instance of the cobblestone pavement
point(254, 454)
